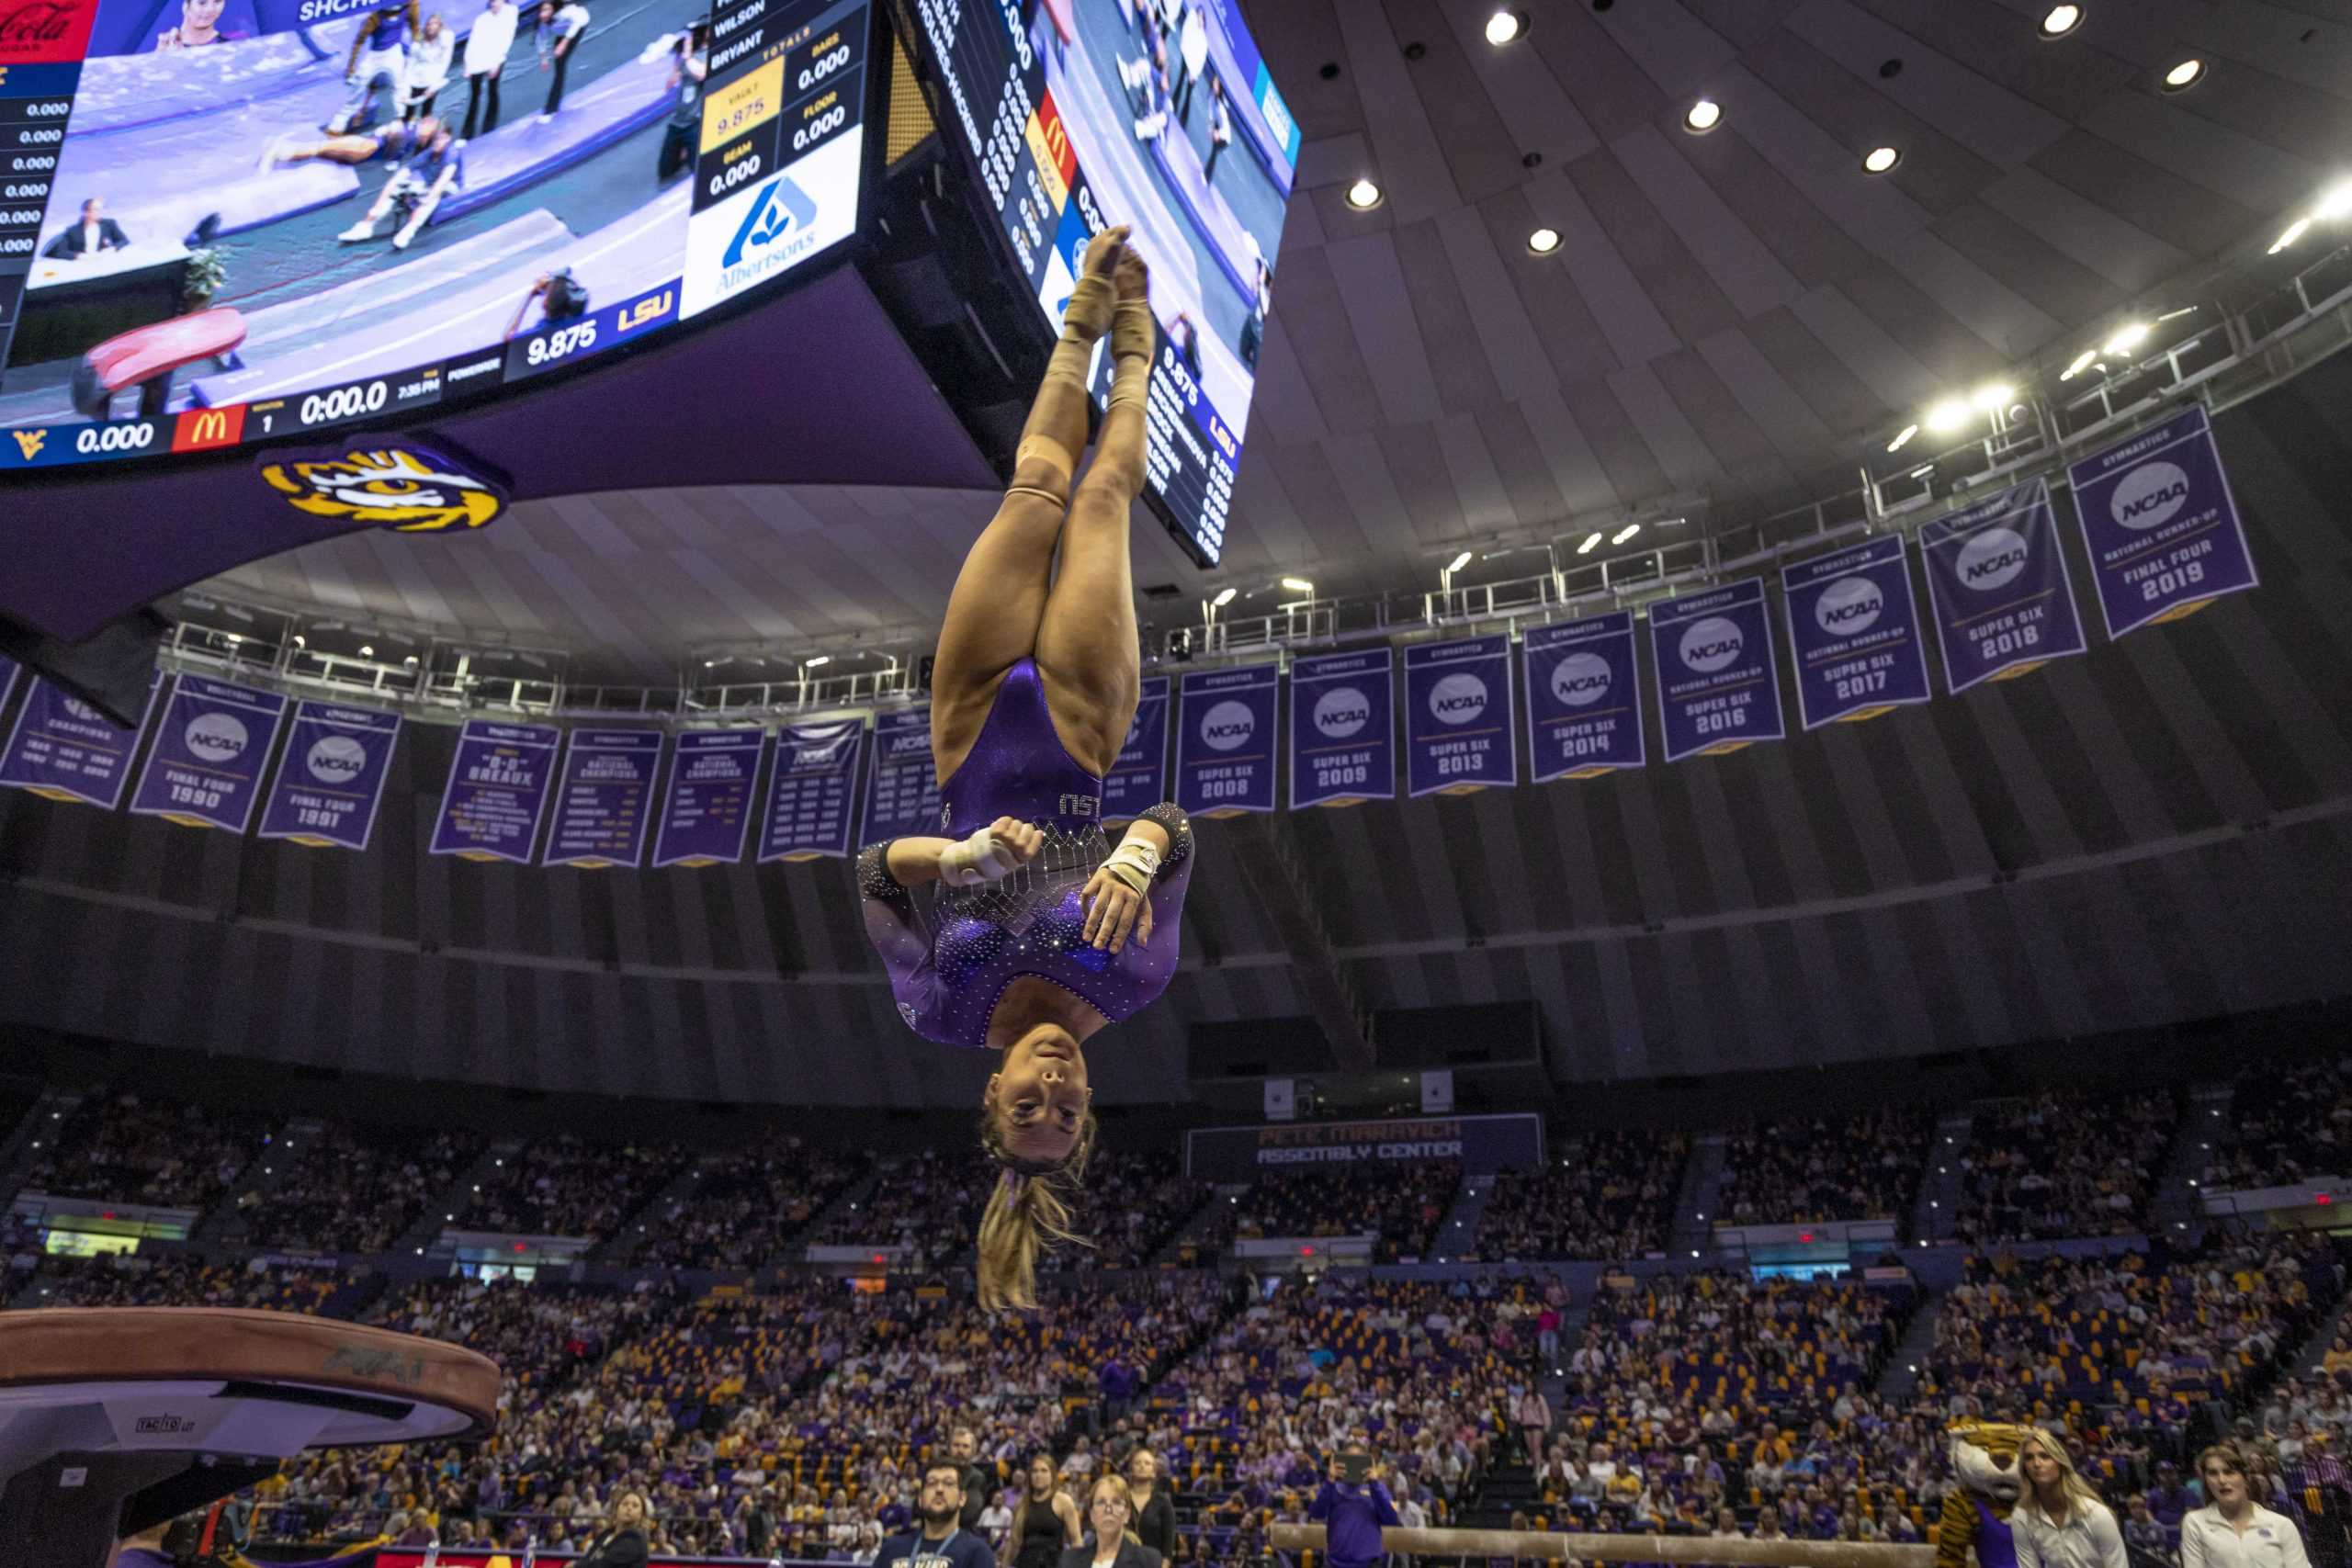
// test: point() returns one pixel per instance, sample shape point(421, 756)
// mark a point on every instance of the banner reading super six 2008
point(1225, 745)
point(1718, 678)
point(1997, 581)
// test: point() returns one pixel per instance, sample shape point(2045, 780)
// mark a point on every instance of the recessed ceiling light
point(1506, 25)
point(2184, 75)
point(1544, 242)
point(2062, 20)
point(1879, 160)
point(1363, 196)
point(1704, 116)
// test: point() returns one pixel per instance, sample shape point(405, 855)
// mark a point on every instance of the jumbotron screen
point(225, 222)
point(1081, 114)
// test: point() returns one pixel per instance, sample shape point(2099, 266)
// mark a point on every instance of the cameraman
point(1353, 1505)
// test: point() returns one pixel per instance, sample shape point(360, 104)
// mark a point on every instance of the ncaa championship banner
point(605, 798)
point(707, 812)
point(902, 791)
point(497, 791)
point(205, 769)
point(2160, 525)
point(331, 778)
point(1225, 742)
point(1138, 780)
point(66, 750)
point(1510, 1140)
point(1854, 633)
point(1998, 583)
point(1584, 698)
point(1458, 713)
point(1718, 678)
point(1342, 729)
point(812, 791)
point(7, 679)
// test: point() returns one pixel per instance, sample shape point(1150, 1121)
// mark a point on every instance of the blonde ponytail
point(1028, 1211)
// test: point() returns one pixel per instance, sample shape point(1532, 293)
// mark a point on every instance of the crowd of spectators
point(1795, 1169)
point(566, 1186)
point(748, 1209)
point(128, 1149)
point(187, 1280)
point(343, 1189)
point(1132, 1205)
point(2064, 1164)
point(1610, 1197)
point(2284, 1126)
point(1399, 1206)
point(926, 1201)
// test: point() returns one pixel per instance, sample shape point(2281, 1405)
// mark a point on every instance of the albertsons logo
point(215, 737)
point(1227, 724)
point(1849, 605)
point(775, 233)
point(2150, 494)
point(1581, 680)
point(337, 758)
point(1991, 559)
point(1342, 710)
point(1458, 698)
point(1712, 644)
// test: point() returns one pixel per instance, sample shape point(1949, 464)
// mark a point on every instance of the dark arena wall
point(2158, 832)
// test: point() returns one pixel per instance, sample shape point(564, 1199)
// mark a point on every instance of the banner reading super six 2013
point(1458, 723)
point(1718, 678)
point(2160, 525)
point(1997, 581)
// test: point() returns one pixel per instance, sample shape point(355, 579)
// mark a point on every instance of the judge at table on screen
point(96, 233)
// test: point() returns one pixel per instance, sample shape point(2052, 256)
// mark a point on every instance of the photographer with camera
point(1352, 1506)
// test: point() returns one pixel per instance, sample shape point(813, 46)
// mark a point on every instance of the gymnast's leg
point(1087, 645)
point(1000, 596)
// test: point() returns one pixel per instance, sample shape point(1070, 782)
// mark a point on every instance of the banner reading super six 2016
point(1342, 729)
point(1854, 633)
point(1584, 698)
point(2160, 525)
point(1718, 678)
point(1225, 739)
point(1997, 581)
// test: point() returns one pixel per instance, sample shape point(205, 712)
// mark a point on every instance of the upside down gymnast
point(1043, 931)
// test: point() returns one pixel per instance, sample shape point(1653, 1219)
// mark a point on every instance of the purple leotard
point(948, 973)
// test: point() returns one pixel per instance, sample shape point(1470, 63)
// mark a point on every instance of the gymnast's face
point(1039, 1094)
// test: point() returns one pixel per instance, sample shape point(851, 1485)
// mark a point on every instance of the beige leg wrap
point(1040, 494)
point(1088, 314)
point(1073, 358)
point(1133, 330)
point(1050, 453)
point(1131, 382)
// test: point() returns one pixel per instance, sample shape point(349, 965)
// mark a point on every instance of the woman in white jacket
point(487, 42)
point(427, 71)
point(2060, 1522)
point(2232, 1530)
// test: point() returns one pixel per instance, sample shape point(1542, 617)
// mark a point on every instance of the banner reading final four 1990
point(605, 798)
point(497, 791)
point(1458, 717)
point(1854, 633)
point(332, 777)
point(1225, 739)
point(1997, 582)
point(66, 750)
point(204, 770)
point(1718, 677)
point(812, 791)
point(1342, 729)
point(2160, 525)
point(1584, 698)
point(1138, 780)
point(707, 810)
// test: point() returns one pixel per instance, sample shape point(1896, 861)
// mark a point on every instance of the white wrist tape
point(1135, 863)
point(980, 858)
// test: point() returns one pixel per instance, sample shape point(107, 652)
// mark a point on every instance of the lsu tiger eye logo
point(410, 490)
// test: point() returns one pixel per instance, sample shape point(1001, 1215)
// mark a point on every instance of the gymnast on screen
point(1042, 931)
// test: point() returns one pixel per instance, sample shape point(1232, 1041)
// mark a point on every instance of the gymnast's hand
point(1115, 906)
point(996, 851)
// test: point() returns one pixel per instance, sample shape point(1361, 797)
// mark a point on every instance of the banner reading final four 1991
point(1138, 780)
point(1342, 729)
point(1854, 633)
point(1997, 582)
point(1458, 717)
point(1225, 739)
point(497, 792)
point(205, 769)
point(331, 778)
point(1718, 677)
point(2160, 525)
point(604, 798)
point(1584, 698)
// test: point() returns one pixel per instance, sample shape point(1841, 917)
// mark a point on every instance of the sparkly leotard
point(948, 973)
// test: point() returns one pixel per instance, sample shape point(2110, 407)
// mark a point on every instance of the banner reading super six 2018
point(1998, 580)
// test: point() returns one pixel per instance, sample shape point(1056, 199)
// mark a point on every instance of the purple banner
point(66, 750)
point(1343, 728)
point(1718, 677)
point(1458, 712)
point(204, 770)
point(1584, 698)
point(901, 789)
point(1854, 632)
point(1997, 582)
point(332, 777)
point(1225, 740)
point(497, 791)
point(605, 794)
point(8, 668)
point(1138, 780)
point(812, 793)
point(2160, 525)
point(708, 808)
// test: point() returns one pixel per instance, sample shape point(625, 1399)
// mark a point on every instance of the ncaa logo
point(1849, 605)
point(2149, 494)
point(1991, 559)
point(1342, 710)
point(1228, 725)
point(1712, 645)
point(337, 758)
point(1581, 680)
point(1458, 699)
point(215, 737)
point(80, 709)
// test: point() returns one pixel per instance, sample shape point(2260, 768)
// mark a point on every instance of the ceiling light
point(1879, 160)
point(1544, 242)
point(2129, 336)
point(301, 641)
point(822, 659)
point(410, 659)
point(1225, 597)
point(2294, 232)
point(2062, 20)
point(1457, 563)
point(711, 664)
point(2082, 363)
point(2337, 203)
point(1505, 26)
point(1298, 585)
point(1363, 196)
point(1704, 116)
point(1589, 540)
point(1900, 442)
point(1627, 532)
point(1995, 395)
point(366, 651)
point(1946, 417)
point(2184, 75)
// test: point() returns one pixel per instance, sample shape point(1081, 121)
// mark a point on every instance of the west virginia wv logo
point(408, 489)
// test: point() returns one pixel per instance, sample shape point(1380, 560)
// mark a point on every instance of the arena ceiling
point(1729, 320)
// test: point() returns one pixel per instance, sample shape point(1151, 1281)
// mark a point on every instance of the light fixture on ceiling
point(2184, 75)
point(1457, 563)
point(1589, 540)
point(2128, 336)
point(819, 662)
point(711, 664)
point(1702, 117)
point(1627, 532)
point(1506, 25)
point(1880, 159)
point(1224, 596)
point(302, 641)
point(410, 659)
point(2336, 204)
point(2294, 231)
point(1947, 417)
point(1298, 585)
point(1903, 438)
point(2062, 20)
point(367, 650)
point(1544, 242)
point(1363, 196)
point(2082, 363)
point(1995, 395)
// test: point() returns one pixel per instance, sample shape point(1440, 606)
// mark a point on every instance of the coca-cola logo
point(26, 28)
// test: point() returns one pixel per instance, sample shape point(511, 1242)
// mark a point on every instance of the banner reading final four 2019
point(1225, 742)
point(1138, 780)
point(332, 777)
point(66, 750)
point(1997, 581)
point(604, 798)
point(497, 791)
point(1854, 632)
point(1342, 729)
point(1584, 698)
point(1718, 678)
point(205, 768)
point(1458, 717)
point(708, 808)
point(2160, 525)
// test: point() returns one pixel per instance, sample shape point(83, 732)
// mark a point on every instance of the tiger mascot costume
point(1986, 1484)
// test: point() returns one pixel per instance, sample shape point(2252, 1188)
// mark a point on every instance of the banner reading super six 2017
point(1854, 632)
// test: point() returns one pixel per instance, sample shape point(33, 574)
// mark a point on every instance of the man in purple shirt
point(1354, 1510)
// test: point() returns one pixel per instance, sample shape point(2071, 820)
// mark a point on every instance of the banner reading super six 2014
point(1584, 698)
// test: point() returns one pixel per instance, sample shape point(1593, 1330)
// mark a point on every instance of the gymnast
point(1042, 929)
